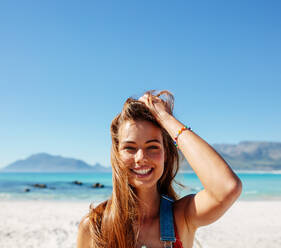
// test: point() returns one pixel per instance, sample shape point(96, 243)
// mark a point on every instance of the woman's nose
point(139, 156)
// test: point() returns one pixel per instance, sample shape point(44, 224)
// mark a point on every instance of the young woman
point(144, 210)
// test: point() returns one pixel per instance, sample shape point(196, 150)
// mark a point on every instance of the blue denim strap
point(167, 232)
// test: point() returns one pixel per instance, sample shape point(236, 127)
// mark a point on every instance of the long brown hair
point(114, 223)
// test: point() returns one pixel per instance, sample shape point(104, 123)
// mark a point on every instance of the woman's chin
point(143, 186)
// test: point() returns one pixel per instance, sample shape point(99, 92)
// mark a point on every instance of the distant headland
point(250, 155)
point(44, 162)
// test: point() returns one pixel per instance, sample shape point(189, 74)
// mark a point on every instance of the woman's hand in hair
point(157, 106)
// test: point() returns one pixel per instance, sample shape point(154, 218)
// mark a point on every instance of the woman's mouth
point(142, 172)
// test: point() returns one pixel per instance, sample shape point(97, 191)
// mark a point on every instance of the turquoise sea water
point(256, 186)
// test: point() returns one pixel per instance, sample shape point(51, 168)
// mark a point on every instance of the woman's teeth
point(142, 172)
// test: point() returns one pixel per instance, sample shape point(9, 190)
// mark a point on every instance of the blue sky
point(66, 68)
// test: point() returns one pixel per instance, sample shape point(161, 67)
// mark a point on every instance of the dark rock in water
point(77, 182)
point(26, 190)
point(40, 185)
point(97, 185)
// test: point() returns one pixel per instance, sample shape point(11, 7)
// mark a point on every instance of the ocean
point(257, 186)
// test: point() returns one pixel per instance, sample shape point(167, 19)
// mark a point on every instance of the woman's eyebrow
point(153, 140)
point(128, 141)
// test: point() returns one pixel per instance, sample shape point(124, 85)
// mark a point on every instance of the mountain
point(248, 155)
point(43, 162)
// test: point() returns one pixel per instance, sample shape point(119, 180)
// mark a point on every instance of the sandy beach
point(42, 224)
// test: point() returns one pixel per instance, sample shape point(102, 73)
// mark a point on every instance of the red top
point(178, 243)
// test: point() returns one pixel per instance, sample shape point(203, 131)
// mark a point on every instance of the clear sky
point(66, 68)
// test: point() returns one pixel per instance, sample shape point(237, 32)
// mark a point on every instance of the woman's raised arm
point(221, 185)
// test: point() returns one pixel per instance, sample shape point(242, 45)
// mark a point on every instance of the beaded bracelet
point(179, 132)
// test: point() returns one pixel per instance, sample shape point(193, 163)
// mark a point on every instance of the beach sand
point(42, 224)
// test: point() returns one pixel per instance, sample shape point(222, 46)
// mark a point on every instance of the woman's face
point(142, 151)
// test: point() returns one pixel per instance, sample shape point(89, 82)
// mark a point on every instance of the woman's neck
point(149, 200)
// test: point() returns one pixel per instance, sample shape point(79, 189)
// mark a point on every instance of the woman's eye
point(153, 147)
point(129, 148)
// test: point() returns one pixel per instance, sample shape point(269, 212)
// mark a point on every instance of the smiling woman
point(144, 210)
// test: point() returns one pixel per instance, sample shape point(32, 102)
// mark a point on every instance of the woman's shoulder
point(84, 235)
point(84, 222)
point(180, 207)
point(183, 202)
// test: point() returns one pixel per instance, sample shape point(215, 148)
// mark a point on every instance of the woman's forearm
point(214, 173)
